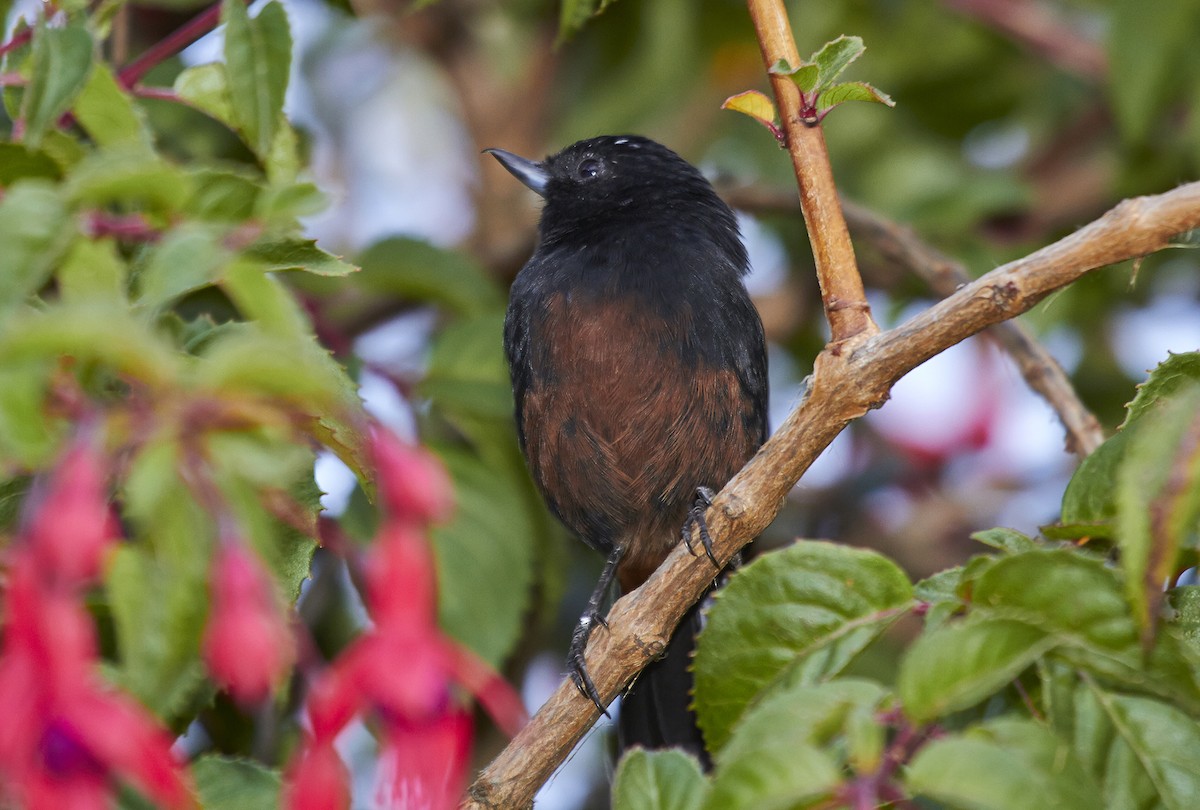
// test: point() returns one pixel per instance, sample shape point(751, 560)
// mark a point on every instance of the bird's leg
point(695, 518)
point(583, 631)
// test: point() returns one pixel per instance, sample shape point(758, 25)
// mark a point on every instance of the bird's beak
point(529, 172)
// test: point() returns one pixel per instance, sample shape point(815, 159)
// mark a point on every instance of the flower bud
point(247, 645)
point(413, 484)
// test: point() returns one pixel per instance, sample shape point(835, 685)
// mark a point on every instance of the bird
point(639, 375)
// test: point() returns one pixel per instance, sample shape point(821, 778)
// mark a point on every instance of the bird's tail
point(656, 710)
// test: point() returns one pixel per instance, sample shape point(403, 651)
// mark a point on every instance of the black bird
point(639, 371)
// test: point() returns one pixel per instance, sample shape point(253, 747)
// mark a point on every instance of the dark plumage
point(639, 372)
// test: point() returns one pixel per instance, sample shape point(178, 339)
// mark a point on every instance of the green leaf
point(157, 587)
point(1140, 86)
point(227, 783)
point(958, 665)
point(805, 76)
point(262, 297)
point(1173, 375)
point(826, 713)
point(251, 360)
point(34, 230)
point(1002, 765)
point(282, 202)
point(1077, 601)
point(266, 477)
point(807, 609)
point(834, 57)
point(92, 270)
point(1010, 541)
point(290, 253)
point(222, 195)
point(485, 555)
point(851, 91)
point(1158, 504)
point(781, 753)
point(756, 105)
point(206, 87)
point(415, 270)
point(96, 331)
point(19, 162)
point(1090, 497)
point(468, 377)
point(60, 64)
point(1163, 741)
point(574, 13)
point(658, 780)
point(107, 112)
point(28, 436)
point(191, 256)
point(258, 54)
point(126, 175)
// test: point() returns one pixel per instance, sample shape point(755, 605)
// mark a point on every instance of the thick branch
point(841, 286)
point(849, 378)
point(944, 276)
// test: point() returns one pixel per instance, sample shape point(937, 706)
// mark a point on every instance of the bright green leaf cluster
point(1044, 669)
point(817, 79)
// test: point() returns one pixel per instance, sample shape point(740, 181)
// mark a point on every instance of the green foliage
point(802, 614)
point(1044, 669)
point(162, 293)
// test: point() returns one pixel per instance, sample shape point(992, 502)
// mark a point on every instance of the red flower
point(413, 485)
point(73, 527)
point(247, 645)
point(425, 765)
point(404, 671)
point(317, 780)
point(65, 737)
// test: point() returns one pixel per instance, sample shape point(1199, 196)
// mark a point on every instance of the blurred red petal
point(401, 582)
point(126, 738)
point(424, 767)
point(496, 695)
point(71, 527)
point(316, 780)
point(247, 645)
point(413, 484)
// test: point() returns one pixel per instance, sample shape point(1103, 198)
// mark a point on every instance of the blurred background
point(1015, 122)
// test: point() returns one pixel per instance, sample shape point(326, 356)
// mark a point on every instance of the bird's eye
point(588, 168)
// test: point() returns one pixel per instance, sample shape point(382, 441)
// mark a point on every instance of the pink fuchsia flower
point(247, 644)
point(405, 673)
point(413, 485)
point(73, 526)
point(317, 780)
point(66, 738)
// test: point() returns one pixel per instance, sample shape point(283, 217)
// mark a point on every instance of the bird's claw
point(695, 518)
point(576, 663)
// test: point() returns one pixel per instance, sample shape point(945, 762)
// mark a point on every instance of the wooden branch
point(849, 378)
point(842, 293)
point(945, 275)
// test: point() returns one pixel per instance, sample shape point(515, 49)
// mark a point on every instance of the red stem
point(17, 41)
point(172, 44)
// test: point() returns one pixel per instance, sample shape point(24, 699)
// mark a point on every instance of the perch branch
point(944, 275)
point(849, 378)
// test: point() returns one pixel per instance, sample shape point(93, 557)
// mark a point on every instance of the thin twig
point(170, 45)
point(17, 41)
point(849, 378)
point(842, 292)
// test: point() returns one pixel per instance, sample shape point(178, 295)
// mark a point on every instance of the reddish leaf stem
point(170, 45)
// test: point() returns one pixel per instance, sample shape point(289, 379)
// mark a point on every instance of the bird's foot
point(695, 519)
point(576, 664)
